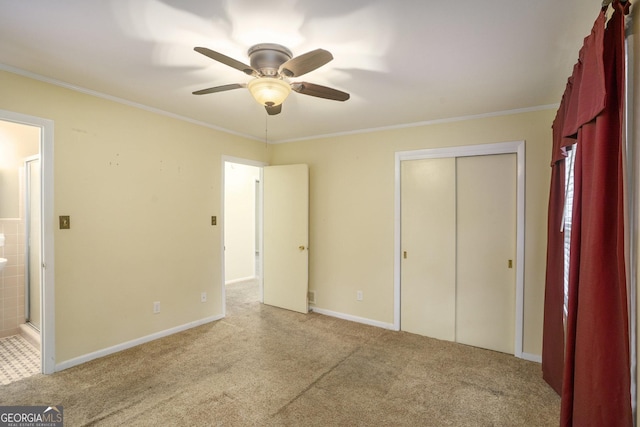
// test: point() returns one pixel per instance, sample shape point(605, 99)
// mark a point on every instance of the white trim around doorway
point(517, 147)
point(48, 330)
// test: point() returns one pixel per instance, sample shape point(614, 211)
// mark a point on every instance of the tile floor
point(18, 359)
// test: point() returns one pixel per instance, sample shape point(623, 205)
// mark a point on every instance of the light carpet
point(263, 366)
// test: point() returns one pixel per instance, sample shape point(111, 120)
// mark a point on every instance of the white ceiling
point(403, 61)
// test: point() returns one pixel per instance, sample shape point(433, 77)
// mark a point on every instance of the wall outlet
point(203, 297)
point(359, 296)
point(156, 307)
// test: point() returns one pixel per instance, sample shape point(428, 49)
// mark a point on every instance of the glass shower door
point(33, 239)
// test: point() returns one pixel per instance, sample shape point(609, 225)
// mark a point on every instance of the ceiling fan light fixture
point(271, 66)
point(269, 91)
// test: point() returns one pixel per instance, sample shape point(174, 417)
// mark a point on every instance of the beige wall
point(17, 142)
point(240, 221)
point(140, 189)
point(352, 209)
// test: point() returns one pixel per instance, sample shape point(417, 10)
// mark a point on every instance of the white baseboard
point(242, 279)
point(133, 343)
point(532, 357)
point(526, 356)
point(129, 344)
point(354, 318)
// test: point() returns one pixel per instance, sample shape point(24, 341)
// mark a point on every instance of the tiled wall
point(12, 277)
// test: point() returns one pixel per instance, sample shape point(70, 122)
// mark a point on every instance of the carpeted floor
point(18, 359)
point(265, 366)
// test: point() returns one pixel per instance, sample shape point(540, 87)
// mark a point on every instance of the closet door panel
point(428, 240)
point(486, 242)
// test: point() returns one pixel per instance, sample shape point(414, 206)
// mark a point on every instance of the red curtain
point(593, 356)
point(553, 336)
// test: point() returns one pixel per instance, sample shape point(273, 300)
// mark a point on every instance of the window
point(567, 216)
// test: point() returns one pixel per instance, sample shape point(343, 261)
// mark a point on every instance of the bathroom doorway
point(19, 171)
point(26, 198)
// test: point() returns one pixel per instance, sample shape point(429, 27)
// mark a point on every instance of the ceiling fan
point(271, 67)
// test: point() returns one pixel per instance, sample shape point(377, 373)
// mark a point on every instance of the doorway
point(451, 313)
point(28, 142)
point(265, 234)
point(242, 232)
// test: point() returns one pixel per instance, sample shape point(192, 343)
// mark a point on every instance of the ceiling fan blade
point(220, 88)
point(272, 111)
point(312, 89)
point(305, 63)
point(247, 69)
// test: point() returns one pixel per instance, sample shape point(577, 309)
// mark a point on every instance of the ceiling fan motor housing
point(268, 57)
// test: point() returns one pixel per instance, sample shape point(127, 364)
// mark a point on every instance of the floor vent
point(311, 297)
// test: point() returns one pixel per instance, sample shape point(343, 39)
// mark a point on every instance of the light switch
point(65, 222)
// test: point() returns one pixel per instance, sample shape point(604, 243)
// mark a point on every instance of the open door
point(286, 236)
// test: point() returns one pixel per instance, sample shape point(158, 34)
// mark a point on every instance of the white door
point(486, 212)
point(429, 247)
point(458, 230)
point(286, 236)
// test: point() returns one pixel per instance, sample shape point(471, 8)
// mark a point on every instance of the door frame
point(47, 316)
point(517, 147)
point(259, 165)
